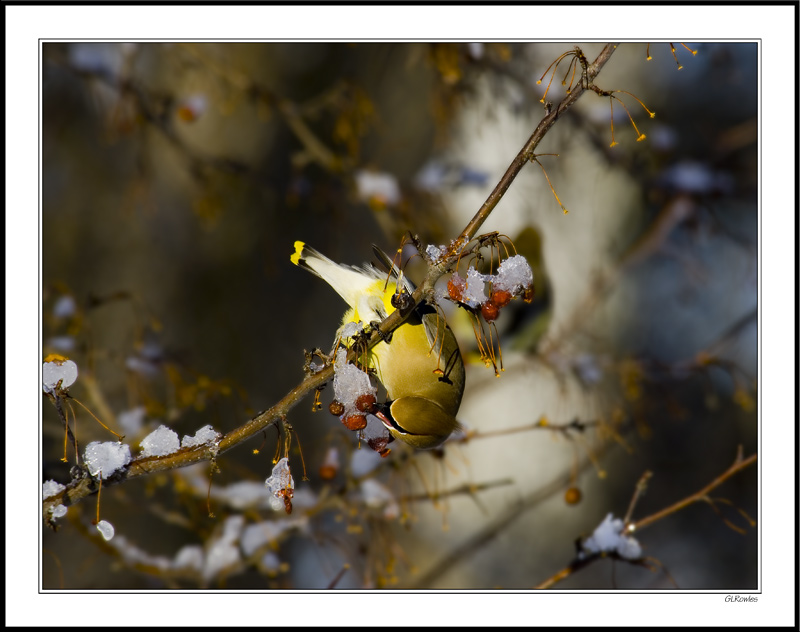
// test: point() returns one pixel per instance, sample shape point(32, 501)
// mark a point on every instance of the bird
point(419, 365)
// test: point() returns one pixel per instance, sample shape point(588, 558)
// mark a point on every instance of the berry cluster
point(514, 278)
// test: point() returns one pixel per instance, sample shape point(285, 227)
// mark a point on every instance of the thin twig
point(701, 495)
point(466, 488)
point(502, 521)
point(527, 152)
point(566, 428)
point(581, 563)
point(640, 488)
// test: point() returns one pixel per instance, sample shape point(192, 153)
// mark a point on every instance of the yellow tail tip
point(298, 252)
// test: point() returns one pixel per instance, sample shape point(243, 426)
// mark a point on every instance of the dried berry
point(355, 422)
point(455, 287)
point(336, 408)
point(530, 292)
point(572, 496)
point(490, 311)
point(380, 444)
point(501, 298)
point(330, 466)
point(365, 403)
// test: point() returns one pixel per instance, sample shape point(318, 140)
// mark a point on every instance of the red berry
point(336, 408)
point(380, 445)
point(572, 496)
point(455, 287)
point(365, 403)
point(355, 422)
point(490, 311)
point(501, 298)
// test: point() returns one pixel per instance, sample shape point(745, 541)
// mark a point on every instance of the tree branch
point(526, 153)
point(739, 464)
point(701, 495)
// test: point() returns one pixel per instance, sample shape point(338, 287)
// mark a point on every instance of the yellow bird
point(420, 365)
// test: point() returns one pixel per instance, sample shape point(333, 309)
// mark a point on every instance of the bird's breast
point(409, 366)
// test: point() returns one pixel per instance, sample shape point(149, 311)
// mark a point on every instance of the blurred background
point(176, 178)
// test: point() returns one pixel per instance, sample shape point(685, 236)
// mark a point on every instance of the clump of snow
point(378, 187)
point(377, 495)
point(475, 49)
point(434, 252)
point(144, 367)
point(474, 293)
point(349, 383)
point(587, 368)
point(51, 488)
point(133, 555)
point(106, 529)
point(513, 275)
point(440, 294)
point(59, 511)
point(206, 434)
point(270, 564)
point(64, 307)
point(376, 434)
point(148, 361)
point(259, 534)
point(432, 177)
point(192, 107)
point(608, 538)
point(696, 177)
point(280, 484)
point(160, 442)
point(243, 495)
point(223, 552)
point(132, 420)
point(663, 137)
point(351, 329)
point(103, 458)
point(331, 459)
point(304, 498)
point(100, 57)
point(436, 175)
point(55, 371)
point(61, 343)
point(189, 557)
point(362, 462)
